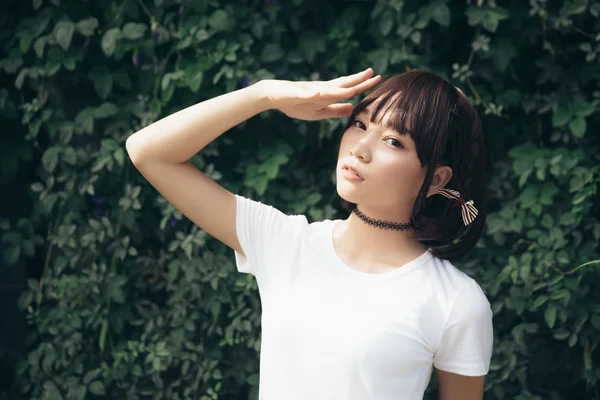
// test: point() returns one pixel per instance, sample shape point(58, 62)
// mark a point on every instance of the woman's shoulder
point(319, 230)
point(452, 281)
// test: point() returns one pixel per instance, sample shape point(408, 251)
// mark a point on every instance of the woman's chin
point(349, 194)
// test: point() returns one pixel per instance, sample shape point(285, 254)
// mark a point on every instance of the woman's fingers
point(337, 110)
point(352, 80)
point(367, 85)
point(331, 94)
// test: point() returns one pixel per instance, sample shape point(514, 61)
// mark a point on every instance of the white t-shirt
point(332, 332)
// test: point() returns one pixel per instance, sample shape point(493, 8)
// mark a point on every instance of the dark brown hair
point(446, 130)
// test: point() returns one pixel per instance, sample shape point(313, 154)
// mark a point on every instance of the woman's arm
point(161, 150)
point(178, 137)
point(459, 387)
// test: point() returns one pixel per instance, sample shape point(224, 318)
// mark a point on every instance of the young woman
point(363, 307)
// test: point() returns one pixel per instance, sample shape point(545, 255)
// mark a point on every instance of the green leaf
point(37, 4)
point(100, 163)
point(386, 24)
point(106, 110)
point(28, 248)
point(110, 144)
point(109, 41)
point(488, 17)
point(194, 80)
point(441, 14)
point(550, 315)
point(37, 187)
point(102, 337)
point(134, 30)
point(171, 76)
point(11, 255)
point(253, 379)
point(25, 41)
point(102, 79)
point(69, 156)
point(219, 20)
point(25, 299)
point(380, 60)
point(90, 375)
point(13, 62)
point(69, 63)
point(561, 334)
point(50, 159)
point(21, 78)
point(573, 8)
point(416, 37)
point(561, 117)
point(121, 79)
point(309, 45)
point(540, 301)
point(87, 26)
point(85, 119)
point(493, 17)
point(475, 15)
point(39, 45)
point(156, 364)
point(119, 155)
point(578, 126)
point(97, 388)
point(505, 52)
point(584, 109)
point(63, 33)
point(271, 52)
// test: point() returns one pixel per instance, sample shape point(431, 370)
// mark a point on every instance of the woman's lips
point(351, 175)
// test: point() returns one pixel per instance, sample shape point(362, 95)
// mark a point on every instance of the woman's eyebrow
point(365, 111)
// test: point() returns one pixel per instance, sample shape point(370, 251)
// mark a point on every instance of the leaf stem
point(145, 9)
point(577, 268)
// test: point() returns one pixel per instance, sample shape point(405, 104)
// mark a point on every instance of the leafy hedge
point(128, 299)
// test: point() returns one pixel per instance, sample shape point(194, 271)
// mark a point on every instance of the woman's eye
point(361, 126)
point(395, 142)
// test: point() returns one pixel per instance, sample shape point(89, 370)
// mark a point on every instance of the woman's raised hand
point(314, 100)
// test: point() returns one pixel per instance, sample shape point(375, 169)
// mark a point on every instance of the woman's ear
point(441, 177)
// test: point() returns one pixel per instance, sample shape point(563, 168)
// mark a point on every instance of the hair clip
point(468, 210)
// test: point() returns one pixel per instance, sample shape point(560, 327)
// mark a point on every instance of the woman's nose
point(361, 149)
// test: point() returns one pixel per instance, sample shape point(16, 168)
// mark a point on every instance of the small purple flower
point(173, 220)
point(138, 59)
point(99, 201)
point(155, 30)
point(245, 82)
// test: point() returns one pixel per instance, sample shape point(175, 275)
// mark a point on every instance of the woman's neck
point(361, 244)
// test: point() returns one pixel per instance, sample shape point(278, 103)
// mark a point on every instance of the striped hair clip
point(468, 210)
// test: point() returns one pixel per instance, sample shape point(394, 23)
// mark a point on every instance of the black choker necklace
point(397, 226)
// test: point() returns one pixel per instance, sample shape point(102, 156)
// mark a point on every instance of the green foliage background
point(128, 300)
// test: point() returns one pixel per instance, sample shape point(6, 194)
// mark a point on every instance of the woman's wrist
point(260, 93)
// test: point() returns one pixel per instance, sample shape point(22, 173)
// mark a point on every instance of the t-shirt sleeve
point(267, 236)
point(466, 344)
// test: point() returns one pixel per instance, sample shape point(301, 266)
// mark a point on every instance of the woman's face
point(386, 161)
